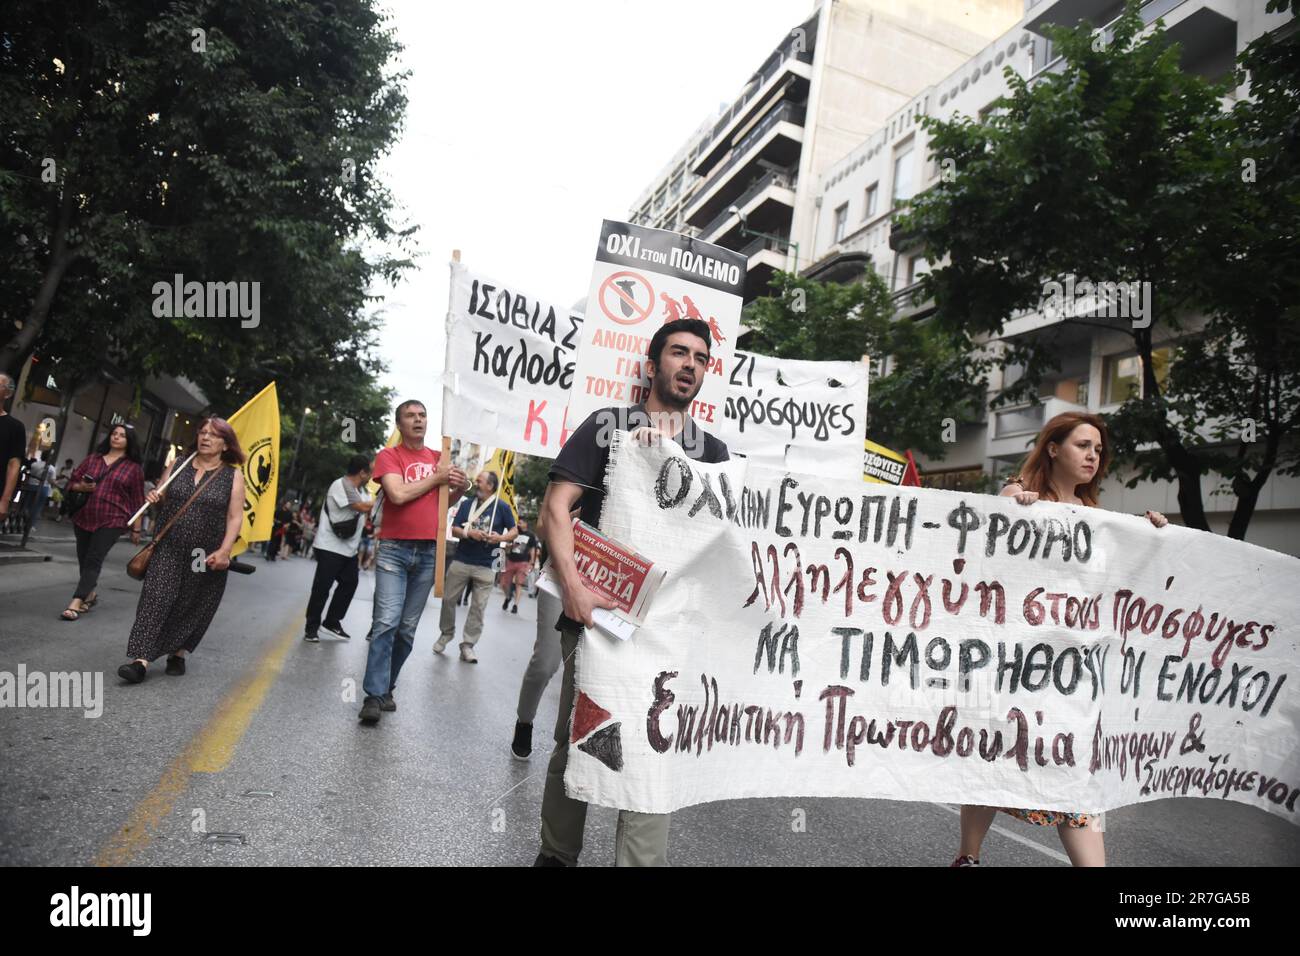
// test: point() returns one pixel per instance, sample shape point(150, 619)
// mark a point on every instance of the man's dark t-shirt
point(521, 546)
point(585, 457)
point(13, 444)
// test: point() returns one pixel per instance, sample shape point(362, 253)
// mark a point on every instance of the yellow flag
point(373, 486)
point(257, 426)
point(503, 463)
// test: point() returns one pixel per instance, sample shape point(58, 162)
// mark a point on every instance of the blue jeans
point(403, 579)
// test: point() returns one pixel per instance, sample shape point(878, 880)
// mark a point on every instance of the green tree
point(229, 141)
point(934, 373)
point(1121, 167)
point(531, 478)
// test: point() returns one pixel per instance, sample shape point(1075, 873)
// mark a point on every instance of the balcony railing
point(770, 178)
point(769, 70)
point(789, 113)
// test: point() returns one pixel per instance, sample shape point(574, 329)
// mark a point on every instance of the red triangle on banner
point(911, 474)
point(587, 716)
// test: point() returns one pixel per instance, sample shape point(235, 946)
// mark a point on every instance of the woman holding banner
point(1067, 463)
point(201, 514)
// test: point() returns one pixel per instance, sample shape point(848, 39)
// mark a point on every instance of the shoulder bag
point(138, 565)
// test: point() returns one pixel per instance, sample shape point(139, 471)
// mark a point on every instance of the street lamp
point(746, 231)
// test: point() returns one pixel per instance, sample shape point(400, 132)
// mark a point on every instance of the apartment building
point(747, 179)
point(858, 201)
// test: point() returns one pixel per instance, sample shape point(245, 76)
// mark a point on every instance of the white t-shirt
point(335, 508)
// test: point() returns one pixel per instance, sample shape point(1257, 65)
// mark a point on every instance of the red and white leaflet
point(616, 572)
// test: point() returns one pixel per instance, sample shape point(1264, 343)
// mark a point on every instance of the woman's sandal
point(73, 611)
point(87, 605)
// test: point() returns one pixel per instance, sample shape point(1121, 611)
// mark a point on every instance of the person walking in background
point(342, 522)
point(36, 489)
point(366, 547)
point(283, 517)
point(1068, 462)
point(61, 485)
point(203, 510)
point(521, 556)
point(409, 474)
point(481, 523)
point(13, 449)
point(114, 480)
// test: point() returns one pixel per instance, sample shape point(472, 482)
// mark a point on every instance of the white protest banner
point(509, 366)
point(795, 415)
point(643, 278)
point(815, 638)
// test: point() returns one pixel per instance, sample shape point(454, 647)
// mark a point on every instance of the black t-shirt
point(521, 546)
point(13, 444)
point(585, 457)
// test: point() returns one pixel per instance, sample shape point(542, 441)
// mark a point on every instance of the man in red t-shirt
point(405, 557)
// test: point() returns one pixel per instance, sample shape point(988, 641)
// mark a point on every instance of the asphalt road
point(255, 756)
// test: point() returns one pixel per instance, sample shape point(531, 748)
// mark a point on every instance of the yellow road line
point(209, 751)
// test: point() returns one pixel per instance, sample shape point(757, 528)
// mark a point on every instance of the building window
point(916, 267)
point(904, 185)
point(1123, 378)
point(841, 222)
point(872, 192)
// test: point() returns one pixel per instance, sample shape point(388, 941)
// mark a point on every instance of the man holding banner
point(409, 474)
point(678, 361)
point(480, 525)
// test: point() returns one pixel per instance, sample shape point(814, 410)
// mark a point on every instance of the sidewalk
point(47, 531)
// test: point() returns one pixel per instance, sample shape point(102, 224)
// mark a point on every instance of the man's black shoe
point(544, 860)
point(311, 637)
point(506, 603)
point(370, 709)
point(175, 665)
point(515, 609)
point(522, 745)
point(336, 629)
point(386, 703)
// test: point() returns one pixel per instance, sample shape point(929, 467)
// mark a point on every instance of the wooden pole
point(162, 487)
point(444, 493)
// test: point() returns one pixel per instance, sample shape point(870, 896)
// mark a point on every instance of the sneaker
point(544, 860)
point(175, 665)
point(522, 745)
point(515, 609)
point(966, 860)
point(336, 629)
point(467, 654)
point(370, 709)
point(132, 673)
point(440, 645)
point(311, 637)
point(386, 703)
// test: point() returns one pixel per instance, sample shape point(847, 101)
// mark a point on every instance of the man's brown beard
point(662, 388)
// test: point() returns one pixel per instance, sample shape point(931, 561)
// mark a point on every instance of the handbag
point(74, 501)
point(345, 529)
point(139, 565)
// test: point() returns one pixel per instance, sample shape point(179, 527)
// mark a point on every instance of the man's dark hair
point(397, 416)
point(357, 464)
point(693, 326)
